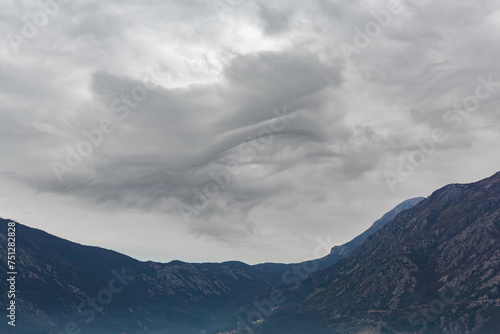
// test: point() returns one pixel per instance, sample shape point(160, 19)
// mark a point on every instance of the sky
point(218, 130)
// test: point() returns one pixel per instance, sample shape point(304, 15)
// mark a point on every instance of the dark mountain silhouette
point(55, 276)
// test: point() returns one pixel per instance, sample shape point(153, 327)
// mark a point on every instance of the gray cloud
point(274, 20)
point(190, 132)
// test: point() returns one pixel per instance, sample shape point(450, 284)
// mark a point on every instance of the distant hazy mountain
point(433, 269)
point(339, 252)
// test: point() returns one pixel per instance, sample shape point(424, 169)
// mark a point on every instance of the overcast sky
point(238, 129)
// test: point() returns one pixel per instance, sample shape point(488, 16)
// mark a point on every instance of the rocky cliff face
point(433, 269)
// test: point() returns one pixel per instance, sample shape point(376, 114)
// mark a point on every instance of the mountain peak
point(449, 242)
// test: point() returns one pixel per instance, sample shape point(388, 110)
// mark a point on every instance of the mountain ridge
point(78, 260)
point(441, 253)
point(447, 243)
point(337, 253)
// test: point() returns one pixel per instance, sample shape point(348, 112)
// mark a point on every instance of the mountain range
point(428, 266)
point(434, 268)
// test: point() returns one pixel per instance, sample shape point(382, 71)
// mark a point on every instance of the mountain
point(56, 276)
point(428, 266)
point(339, 252)
point(433, 269)
point(101, 291)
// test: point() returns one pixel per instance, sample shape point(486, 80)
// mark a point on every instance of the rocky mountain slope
point(433, 269)
point(102, 291)
point(339, 252)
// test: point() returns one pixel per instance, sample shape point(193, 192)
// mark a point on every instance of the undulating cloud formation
point(237, 129)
